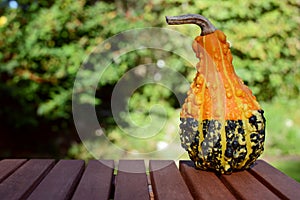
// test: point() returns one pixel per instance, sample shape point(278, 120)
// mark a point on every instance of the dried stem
point(206, 26)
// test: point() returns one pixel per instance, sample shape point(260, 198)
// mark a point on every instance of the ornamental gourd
point(222, 126)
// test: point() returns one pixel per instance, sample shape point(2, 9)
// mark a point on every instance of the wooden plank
point(22, 182)
point(282, 185)
point(8, 166)
point(203, 184)
point(167, 183)
point(131, 180)
point(61, 181)
point(245, 186)
point(96, 182)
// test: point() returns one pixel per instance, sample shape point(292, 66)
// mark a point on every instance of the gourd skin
point(222, 125)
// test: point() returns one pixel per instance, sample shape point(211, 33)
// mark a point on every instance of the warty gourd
point(222, 126)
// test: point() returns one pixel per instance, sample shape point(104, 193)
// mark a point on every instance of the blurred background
point(44, 43)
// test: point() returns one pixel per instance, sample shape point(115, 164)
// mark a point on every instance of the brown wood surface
point(203, 184)
point(275, 180)
point(96, 182)
point(131, 181)
point(43, 179)
point(60, 182)
point(167, 183)
point(8, 166)
point(22, 182)
point(245, 186)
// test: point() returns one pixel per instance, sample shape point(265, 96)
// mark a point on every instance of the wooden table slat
point(8, 166)
point(166, 181)
point(203, 184)
point(61, 181)
point(131, 180)
point(24, 180)
point(96, 182)
point(275, 180)
point(245, 186)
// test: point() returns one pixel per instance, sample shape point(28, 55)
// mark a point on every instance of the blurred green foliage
point(289, 167)
point(283, 127)
point(44, 43)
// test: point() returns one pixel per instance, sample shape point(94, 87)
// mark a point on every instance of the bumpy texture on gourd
point(222, 125)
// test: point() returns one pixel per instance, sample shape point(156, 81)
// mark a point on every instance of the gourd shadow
point(191, 164)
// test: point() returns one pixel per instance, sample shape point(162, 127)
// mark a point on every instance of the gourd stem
point(206, 26)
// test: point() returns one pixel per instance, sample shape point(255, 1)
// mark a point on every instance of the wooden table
point(72, 179)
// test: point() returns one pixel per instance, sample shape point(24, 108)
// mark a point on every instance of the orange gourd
point(222, 125)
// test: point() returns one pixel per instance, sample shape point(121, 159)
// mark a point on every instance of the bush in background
point(43, 44)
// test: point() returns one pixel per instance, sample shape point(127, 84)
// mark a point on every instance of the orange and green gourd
point(222, 126)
